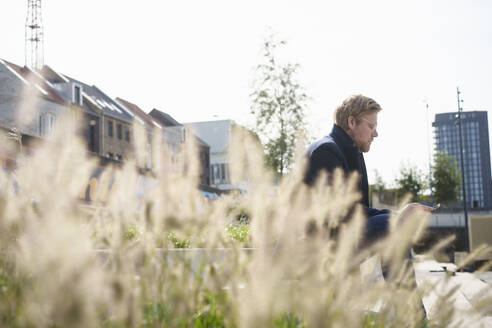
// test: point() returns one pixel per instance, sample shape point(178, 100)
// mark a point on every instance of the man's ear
point(351, 122)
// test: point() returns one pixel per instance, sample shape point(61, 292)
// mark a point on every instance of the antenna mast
point(34, 35)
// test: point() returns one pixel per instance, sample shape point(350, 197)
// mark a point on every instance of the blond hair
point(356, 106)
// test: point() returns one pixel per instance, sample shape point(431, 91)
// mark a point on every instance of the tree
point(278, 104)
point(446, 178)
point(379, 185)
point(410, 181)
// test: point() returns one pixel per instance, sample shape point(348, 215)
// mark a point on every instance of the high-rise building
point(476, 152)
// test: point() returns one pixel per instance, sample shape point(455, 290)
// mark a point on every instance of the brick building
point(106, 125)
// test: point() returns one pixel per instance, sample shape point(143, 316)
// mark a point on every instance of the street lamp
point(463, 187)
point(429, 151)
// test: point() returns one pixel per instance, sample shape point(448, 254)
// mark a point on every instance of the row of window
point(473, 200)
point(475, 178)
point(454, 142)
point(470, 159)
point(119, 131)
point(47, 123)
point(475, 187)
point(472, 171)
point(456, 134)
point(464, 115)
point(471, 151)
point(470, 129)
point(453, 126)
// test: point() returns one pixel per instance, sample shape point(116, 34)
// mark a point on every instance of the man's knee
point(376, 227)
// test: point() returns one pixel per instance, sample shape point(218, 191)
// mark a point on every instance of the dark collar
point(344, 140)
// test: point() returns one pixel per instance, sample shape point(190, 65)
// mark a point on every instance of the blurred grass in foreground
point(297, 275)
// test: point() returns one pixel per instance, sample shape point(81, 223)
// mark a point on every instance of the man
point(356, 121)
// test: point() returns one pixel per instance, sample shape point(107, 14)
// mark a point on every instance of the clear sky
point(195, 59)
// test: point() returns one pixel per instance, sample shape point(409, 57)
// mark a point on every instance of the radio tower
point(34, 35)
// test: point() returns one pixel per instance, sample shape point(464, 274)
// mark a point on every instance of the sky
point(195, 59)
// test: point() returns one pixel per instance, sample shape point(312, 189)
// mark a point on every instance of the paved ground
point(486, 277)
point(464, 290)
point(470, 290)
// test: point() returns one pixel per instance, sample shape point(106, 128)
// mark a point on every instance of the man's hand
point(414, 209)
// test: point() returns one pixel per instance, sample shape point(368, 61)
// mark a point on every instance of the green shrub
point(177, 242)
point(210, 316)
point(131, 233)
point(238, 232)
point(288, 321)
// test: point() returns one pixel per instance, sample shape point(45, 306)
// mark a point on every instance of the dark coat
point(338, 150)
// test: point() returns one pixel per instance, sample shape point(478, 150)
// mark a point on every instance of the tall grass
point(116, 265)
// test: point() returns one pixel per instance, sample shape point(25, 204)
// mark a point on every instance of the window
point(110, 129)
point(148, 162)
point(46, 124)
point(127, 135)
point(221, 173)
point(77, 94)
point(92, 136)
point(119, 131)
point(218, 173)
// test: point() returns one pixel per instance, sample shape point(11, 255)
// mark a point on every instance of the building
point(90, 126)
point(476, 151)
point(106, 124)
point(27, 101)
point(36, 103)
point(28, 106)
point(217, 134)
point(173, 131)
point(204, 157)
point(175, 134)
point(152, 128)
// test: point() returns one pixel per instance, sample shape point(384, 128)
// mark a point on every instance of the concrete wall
point(453, 219)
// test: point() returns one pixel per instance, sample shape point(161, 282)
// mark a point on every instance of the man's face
point(363, 130)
